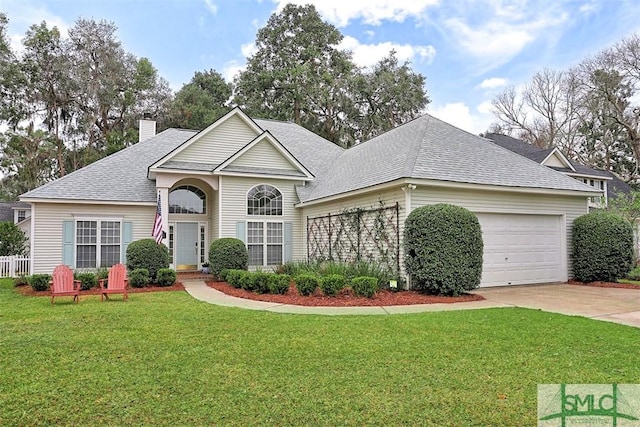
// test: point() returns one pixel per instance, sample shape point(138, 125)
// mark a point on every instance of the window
point(264, 200)
point(187, 199)
point(22, 215)
point(264, 242)
point(93, 251)
point(203, 234)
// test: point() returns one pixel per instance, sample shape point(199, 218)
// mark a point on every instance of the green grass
point(629, 281)
point(167, 359)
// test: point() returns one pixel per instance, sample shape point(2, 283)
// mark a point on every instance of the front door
point(186, 246)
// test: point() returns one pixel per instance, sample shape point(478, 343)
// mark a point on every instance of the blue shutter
point(67, 242)
point(288, 242)
point(126, 239)
point(241, 232)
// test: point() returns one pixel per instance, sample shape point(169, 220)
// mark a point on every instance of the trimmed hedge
point(88, 280)
point(364, 286)
point(39, 282)
point(147, 254)
point(166, 277)
point(234, 277)
point(307, 284)
point(602, 247)
point(227, 253)
point(139, 278)
point(279, 283)
point(332, 284)
point(443, 249)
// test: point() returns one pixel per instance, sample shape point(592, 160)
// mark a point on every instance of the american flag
point(157, 226)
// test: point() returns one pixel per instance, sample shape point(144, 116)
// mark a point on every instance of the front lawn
point(167, 359)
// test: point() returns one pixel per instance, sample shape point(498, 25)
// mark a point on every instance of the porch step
point(194, 275)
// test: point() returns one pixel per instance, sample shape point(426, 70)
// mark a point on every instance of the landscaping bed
point(344, 299)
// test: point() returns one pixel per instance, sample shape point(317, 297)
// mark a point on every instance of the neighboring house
point(265, 182)
point(19, 213)
point(607, 182)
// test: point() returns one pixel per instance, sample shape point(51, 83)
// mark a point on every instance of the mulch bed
point(605, 284)
point(28, 291)
point(345, 298)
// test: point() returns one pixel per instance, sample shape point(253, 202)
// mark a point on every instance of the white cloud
point(211, 6)
point(459, 115)
point(366, 55)
point(248, 49)
point(231, 69)
point(372, 12)
point(493, 83)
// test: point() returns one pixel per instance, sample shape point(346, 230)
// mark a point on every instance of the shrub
point(443, 249)
point(632, 275)
point(147, 254)
point(279, 283)
point(306, 283)
point(21, 281)
point(223, 275)
point(87, 279)
point(166, 277)
point(247, 281)
point(364, 286)
point(347, 269)
point(602, 247)
point(332, 284)
point(39, 282)
point(261, 282)
point(227, 253)
point(102, 273)
point(13, 241)
point(234, 277)
point(139, 278)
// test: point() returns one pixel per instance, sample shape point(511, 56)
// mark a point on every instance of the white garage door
point(521, 249)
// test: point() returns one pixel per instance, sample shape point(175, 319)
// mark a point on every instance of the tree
point(200, 102)
point(12, 239)
point(297, 73)
point(386, 96)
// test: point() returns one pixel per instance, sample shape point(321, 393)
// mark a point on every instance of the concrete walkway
point(613, 305)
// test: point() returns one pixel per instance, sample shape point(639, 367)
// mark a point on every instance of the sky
point(468, 50)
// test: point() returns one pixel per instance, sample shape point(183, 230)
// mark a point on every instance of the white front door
point(521, 249)
point(186, 246)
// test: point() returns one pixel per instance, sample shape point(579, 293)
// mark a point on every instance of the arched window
point(187, 199)
point(264, 200)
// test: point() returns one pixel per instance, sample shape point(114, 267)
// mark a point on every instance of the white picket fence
point(14, 266)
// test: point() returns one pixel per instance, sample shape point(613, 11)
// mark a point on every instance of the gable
point(263, 155)
point(554, 161)
point(219, 143)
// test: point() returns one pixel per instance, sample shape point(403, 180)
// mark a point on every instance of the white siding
point(48, 227)
point(261, 155)
point(234, 207)
point(505, 202)
point(219, 144)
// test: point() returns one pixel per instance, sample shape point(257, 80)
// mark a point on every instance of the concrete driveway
point(609, 304)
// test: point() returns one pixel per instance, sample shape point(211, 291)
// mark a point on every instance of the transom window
point(187, 199)
point(97, 243)
point(264, 243)
point(264, 200)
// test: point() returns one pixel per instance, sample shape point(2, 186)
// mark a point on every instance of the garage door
point(521, 249)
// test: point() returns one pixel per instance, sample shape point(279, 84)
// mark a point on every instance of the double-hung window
point(265, 241)
point(98, 243)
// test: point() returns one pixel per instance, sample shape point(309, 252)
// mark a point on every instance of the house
point(17, 212)
point(290, 194)
point(607, 182)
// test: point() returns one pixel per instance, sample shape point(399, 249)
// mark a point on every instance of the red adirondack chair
point(116, 282)
point(63, 284)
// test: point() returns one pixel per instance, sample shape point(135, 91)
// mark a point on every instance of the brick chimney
point(146, 128)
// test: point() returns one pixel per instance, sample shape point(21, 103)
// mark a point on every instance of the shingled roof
point(615, 185)
point(423, 148)
point(428, 148)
